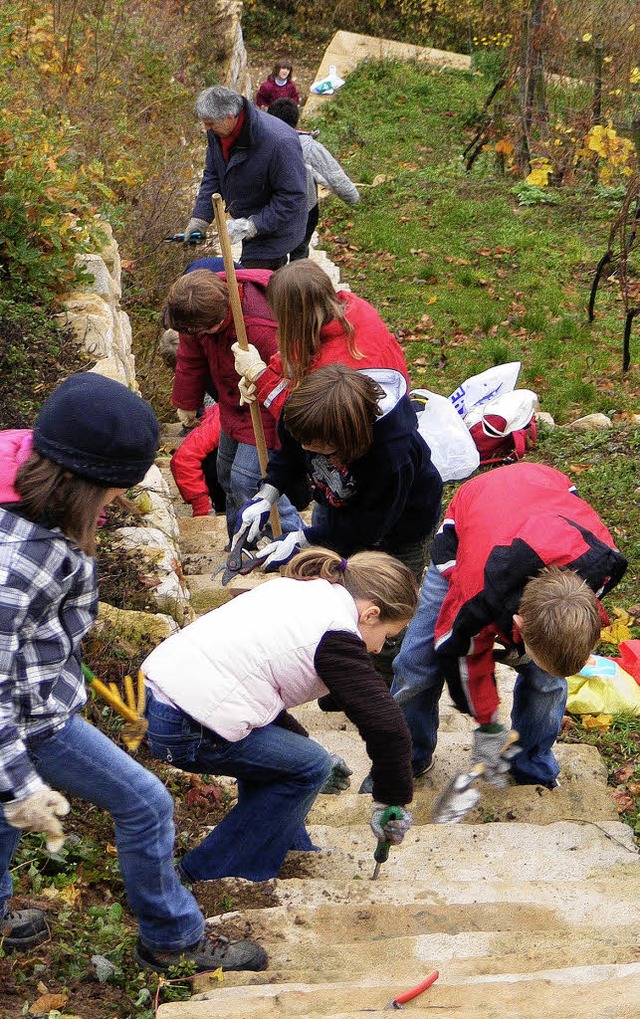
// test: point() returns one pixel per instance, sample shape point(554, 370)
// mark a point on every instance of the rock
point(544, 420)
point(155, 625)
point(590, 423)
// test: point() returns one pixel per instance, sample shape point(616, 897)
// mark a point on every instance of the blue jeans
point(80, 761)
point(279, 775)
point(539, 699)
point(240, 476)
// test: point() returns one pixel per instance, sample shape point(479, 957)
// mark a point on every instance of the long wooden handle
point(241, 333)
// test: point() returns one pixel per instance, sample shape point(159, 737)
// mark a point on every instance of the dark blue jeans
point(539, 699)
point(279, 775)
point(240, 477)
point(80, 761)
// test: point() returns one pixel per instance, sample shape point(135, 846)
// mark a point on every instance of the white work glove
point(248, 362)
point(195, 225)
point(247, 392)
point(489, 749)
point(393, 831)
point(338, 779)
point(241, 229)
point(39, 812)
point(254, 514)
point(187, 418)
point(279, 552)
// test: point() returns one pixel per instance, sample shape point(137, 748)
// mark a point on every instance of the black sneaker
point(211, 952)
point(22, 929)
point(421, 767)
point(327, 703)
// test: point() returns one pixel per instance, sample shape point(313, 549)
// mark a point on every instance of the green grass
point(498, 280)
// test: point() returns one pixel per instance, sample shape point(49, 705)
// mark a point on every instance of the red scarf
point(226, 144)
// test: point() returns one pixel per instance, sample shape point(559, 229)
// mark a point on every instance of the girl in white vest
point(218, 694)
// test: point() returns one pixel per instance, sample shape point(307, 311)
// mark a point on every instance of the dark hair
point(303, 300)
point(336, 406)
point(197, 301)
point(282, 62)
point(51, 495)
point(372, 576)
point(285, 109)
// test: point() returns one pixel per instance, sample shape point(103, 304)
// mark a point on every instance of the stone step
point(585, 992)
point(562, 850)
point(583, 793)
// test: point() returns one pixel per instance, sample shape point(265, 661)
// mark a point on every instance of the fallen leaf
point(634, 789)
point(602, 722)
point(622, 774)
point(624, 802)
point(615, 633)
point(46, 1004)
point(378, 179)
point(578, 468)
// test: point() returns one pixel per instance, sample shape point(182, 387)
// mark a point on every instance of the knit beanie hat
point(98, 429)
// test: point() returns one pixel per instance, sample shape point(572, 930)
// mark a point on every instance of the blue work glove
point(254, 514)
point(494, 749)
point(241, 229)
point(393, 831)
point(279, 552)
point(338, 779)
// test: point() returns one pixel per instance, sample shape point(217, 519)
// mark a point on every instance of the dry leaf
point(602, 722)
point(622, 774)
point(624, 802)
point(378, 179)
point(46, 1004)
point(634, 789)
point(615, 633)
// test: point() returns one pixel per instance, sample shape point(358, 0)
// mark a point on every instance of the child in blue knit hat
point(92, 440)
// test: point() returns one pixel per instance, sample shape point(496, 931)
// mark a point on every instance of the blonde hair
point(560, 620)
point(50, 495)
point(373, 576)
point(197, 301)
point(303, 301)
point(336, 406)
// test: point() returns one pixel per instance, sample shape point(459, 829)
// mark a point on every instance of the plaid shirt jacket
point(48, 602)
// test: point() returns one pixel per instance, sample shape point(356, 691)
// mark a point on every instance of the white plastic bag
point(453, 451)
point(517, 409)
point(477, 389)
point(327, 86)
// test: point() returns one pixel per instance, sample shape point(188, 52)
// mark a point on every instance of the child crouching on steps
point(219, 690)
point(92, 440)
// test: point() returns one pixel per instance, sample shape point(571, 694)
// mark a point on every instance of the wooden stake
point(241, 333)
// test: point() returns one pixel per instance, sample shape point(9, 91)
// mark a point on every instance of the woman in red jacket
point(316, 326)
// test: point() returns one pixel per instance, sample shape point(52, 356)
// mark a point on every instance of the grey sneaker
point(22, 929)
point(418, 769)
point(211, 952)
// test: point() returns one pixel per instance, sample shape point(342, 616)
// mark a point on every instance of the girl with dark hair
point(279, 84)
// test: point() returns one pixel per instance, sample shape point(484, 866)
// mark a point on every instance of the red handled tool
point(400, 1001)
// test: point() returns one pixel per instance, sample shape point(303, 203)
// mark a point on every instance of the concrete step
point(563, 850)
point(584, 992)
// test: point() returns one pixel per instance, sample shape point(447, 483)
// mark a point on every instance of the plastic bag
point(602, 687)
point(327, 86)
point(504, 428)
point(478, 389)
point(629, 657)
point(453, 451)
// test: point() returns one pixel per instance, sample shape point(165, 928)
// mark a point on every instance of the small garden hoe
point(459, 797)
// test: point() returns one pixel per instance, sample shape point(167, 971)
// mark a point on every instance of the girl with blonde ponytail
point(219, 693)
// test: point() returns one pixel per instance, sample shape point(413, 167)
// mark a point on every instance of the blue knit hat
point(98, 429)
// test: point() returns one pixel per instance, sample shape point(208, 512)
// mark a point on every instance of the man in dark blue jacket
point(255, 162)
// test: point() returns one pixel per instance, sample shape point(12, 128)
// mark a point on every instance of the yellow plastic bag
point(602, 687)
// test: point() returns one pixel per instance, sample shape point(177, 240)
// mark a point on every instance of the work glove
point(195, 225)
point(248, 362)
point(187, 418)
point(338, 779)
point(279, 552)
point(247, 392)
point(489, 750)
point(393, 831)
point(39, 812)
point(254, 514)
point(241, 229)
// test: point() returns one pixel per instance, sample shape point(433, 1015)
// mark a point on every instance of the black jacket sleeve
point(343, 664)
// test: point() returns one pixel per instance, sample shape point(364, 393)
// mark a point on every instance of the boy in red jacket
point(519, 557)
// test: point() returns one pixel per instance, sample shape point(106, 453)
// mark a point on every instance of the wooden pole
point(241, 334)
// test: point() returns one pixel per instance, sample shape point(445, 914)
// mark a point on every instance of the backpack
point(504, 428)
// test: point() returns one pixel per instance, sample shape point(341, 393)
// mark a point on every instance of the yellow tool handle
point(115, 702)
